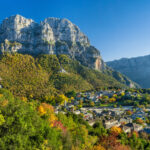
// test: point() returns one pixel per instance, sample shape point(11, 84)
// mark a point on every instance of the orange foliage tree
point(139, 121)
point(116, 130)
point(134, 133)
point(129, 112)
point(110, 141)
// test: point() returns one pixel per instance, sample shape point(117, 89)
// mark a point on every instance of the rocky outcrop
point(51, 36)
point(137, 69)
point(8, 46)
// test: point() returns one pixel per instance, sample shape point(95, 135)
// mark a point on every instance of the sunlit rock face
point(99, 64)
point(16, 28)
point(51, 36)
point(64, 30)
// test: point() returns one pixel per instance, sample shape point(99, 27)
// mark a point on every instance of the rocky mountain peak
point(16, 22)
point(65, 30)
point(12, 27)
point(51, 36)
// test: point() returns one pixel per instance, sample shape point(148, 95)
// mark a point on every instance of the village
point(101, 107)
point(93, 109)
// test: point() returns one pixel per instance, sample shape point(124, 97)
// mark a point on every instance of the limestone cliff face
point(64, 30)
point(51, 36)
point(137, 69)
point(15, 28)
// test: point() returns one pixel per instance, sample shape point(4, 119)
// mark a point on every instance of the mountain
point(137, 69)
point(52, 36)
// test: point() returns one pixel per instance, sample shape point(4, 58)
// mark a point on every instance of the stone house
point(135, 127)
point(125, 120)
point(110, 123)
point(88, 116)
point(126, 129)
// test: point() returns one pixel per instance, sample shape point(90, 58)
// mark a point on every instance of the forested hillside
point(48, 75)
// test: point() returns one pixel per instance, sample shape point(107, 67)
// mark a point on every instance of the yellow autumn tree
point(60, 99)
point(115, 95)
point(92, 104)
point(112, 99)
point(98, 147)
point(52, 119)
point(4, 103)
point(1, 95)
point(116, 130)
point(122, 94)
point(46, 109)
point(24, 99)
point(41, 110)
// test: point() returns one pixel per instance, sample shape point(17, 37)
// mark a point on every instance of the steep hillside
point(48, 75)
point(137, 69)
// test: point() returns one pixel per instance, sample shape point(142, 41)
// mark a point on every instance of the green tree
point(24, 129)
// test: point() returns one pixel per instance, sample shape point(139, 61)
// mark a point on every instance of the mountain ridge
point(136, 68)
point(125, 58)
point(51, 36)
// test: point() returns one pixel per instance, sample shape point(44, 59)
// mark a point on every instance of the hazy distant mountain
point(137, 69)
point(52, 36)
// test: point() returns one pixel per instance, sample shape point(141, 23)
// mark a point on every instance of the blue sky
point(118, 28)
